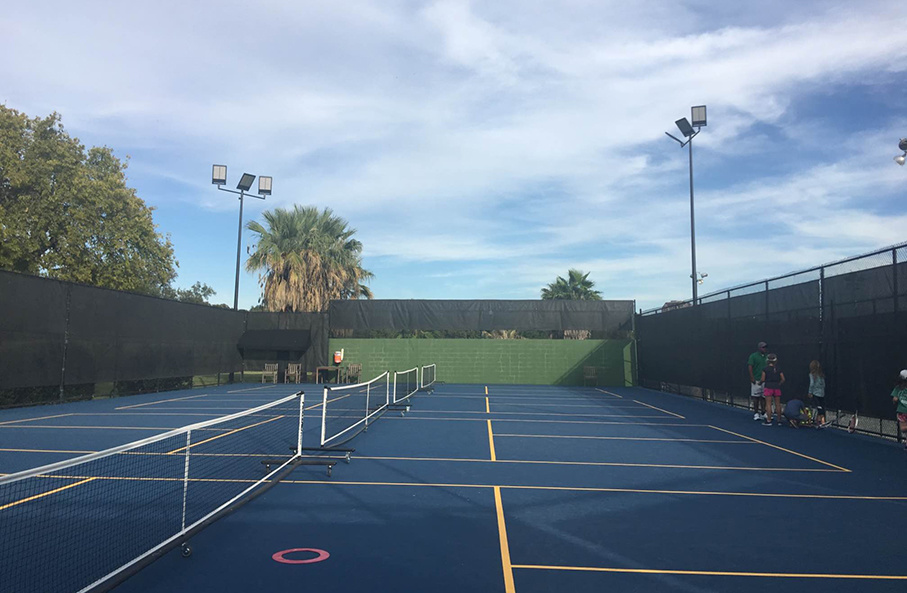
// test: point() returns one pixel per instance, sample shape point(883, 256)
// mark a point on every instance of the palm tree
point(576, 287)
point(307, 258)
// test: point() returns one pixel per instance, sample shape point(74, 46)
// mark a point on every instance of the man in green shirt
point(756, 363)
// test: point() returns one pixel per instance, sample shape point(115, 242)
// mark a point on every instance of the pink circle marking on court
point(281, 556)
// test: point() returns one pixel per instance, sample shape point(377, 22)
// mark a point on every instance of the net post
point(324, 414)
point(186, 479)
point(368, 389)
point(301, 414)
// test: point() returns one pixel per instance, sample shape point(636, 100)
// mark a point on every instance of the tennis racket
point(852, 425)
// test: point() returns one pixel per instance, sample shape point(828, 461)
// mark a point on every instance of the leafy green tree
point(576, 286)
point(67, 213)
point(307, 258)
point(199, 293)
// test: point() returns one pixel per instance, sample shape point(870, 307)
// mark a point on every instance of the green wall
point(516, 362)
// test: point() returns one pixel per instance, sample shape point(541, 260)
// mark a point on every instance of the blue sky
point(481, 149)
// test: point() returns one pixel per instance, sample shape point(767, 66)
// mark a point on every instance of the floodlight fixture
point(219, 178)
point(245, 182)
point(697, 116)
point(219, 175)
point(264, 186)
point(901, 158)
point(684, 126)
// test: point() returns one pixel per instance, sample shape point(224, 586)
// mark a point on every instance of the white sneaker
point(757, 416)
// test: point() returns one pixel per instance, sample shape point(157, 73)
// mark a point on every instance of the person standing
point(772, 379)
point(899, 397)
point(817, 391)
point(755, 364)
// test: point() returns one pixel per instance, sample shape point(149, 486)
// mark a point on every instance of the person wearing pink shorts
point(772, 379)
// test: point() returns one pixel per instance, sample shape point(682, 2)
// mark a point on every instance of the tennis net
point(347, 409)
point(428, 376)
point(86, 524)
point(406, 383)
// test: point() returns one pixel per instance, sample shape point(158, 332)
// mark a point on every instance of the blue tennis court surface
point(522, 488)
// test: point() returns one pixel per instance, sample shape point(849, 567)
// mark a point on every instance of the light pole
point(901, 158)
point(219, 178)
point(697, 115)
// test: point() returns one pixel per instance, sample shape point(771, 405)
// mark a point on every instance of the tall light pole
point(219, 178)
point(697, 115)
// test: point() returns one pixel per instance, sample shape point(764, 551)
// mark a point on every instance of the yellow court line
point(609, 490)
point(659, 409)
point(486, 390)
point(608, 464)
point(609, 393)
point(43, 494)
point(487, 407)
point(505, 546)
point(163, 401)
point(558, 436)
point(491, 441)
point(719, 573)
point(837, 467)
point(220, 436)
point(10, 422)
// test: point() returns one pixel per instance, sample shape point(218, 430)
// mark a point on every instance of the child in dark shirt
point(794, 413)
point(772, 379)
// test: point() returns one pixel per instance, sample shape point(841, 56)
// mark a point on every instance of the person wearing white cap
point(899, 396)
point(755, 364)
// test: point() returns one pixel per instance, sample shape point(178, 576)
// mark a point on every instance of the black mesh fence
point(600, 319)
point(62, 341)
point(851, 316)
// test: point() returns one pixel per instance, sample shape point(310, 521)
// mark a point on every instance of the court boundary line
point(609, 393)
point(505, 545)
point(659, 409)
point(163, 401)
point(613, 438)
point(601, 464)
point(864, 498)
point(718, 573)
point(668, 421)
point(838, 467)
point(549, 414)
point(11, 422)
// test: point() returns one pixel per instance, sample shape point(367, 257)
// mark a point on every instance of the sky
point(481, 149)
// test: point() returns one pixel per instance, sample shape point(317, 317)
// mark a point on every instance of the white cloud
point(490, 137)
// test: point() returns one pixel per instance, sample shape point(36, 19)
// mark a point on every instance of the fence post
point(894, 276)
point(65, 341)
